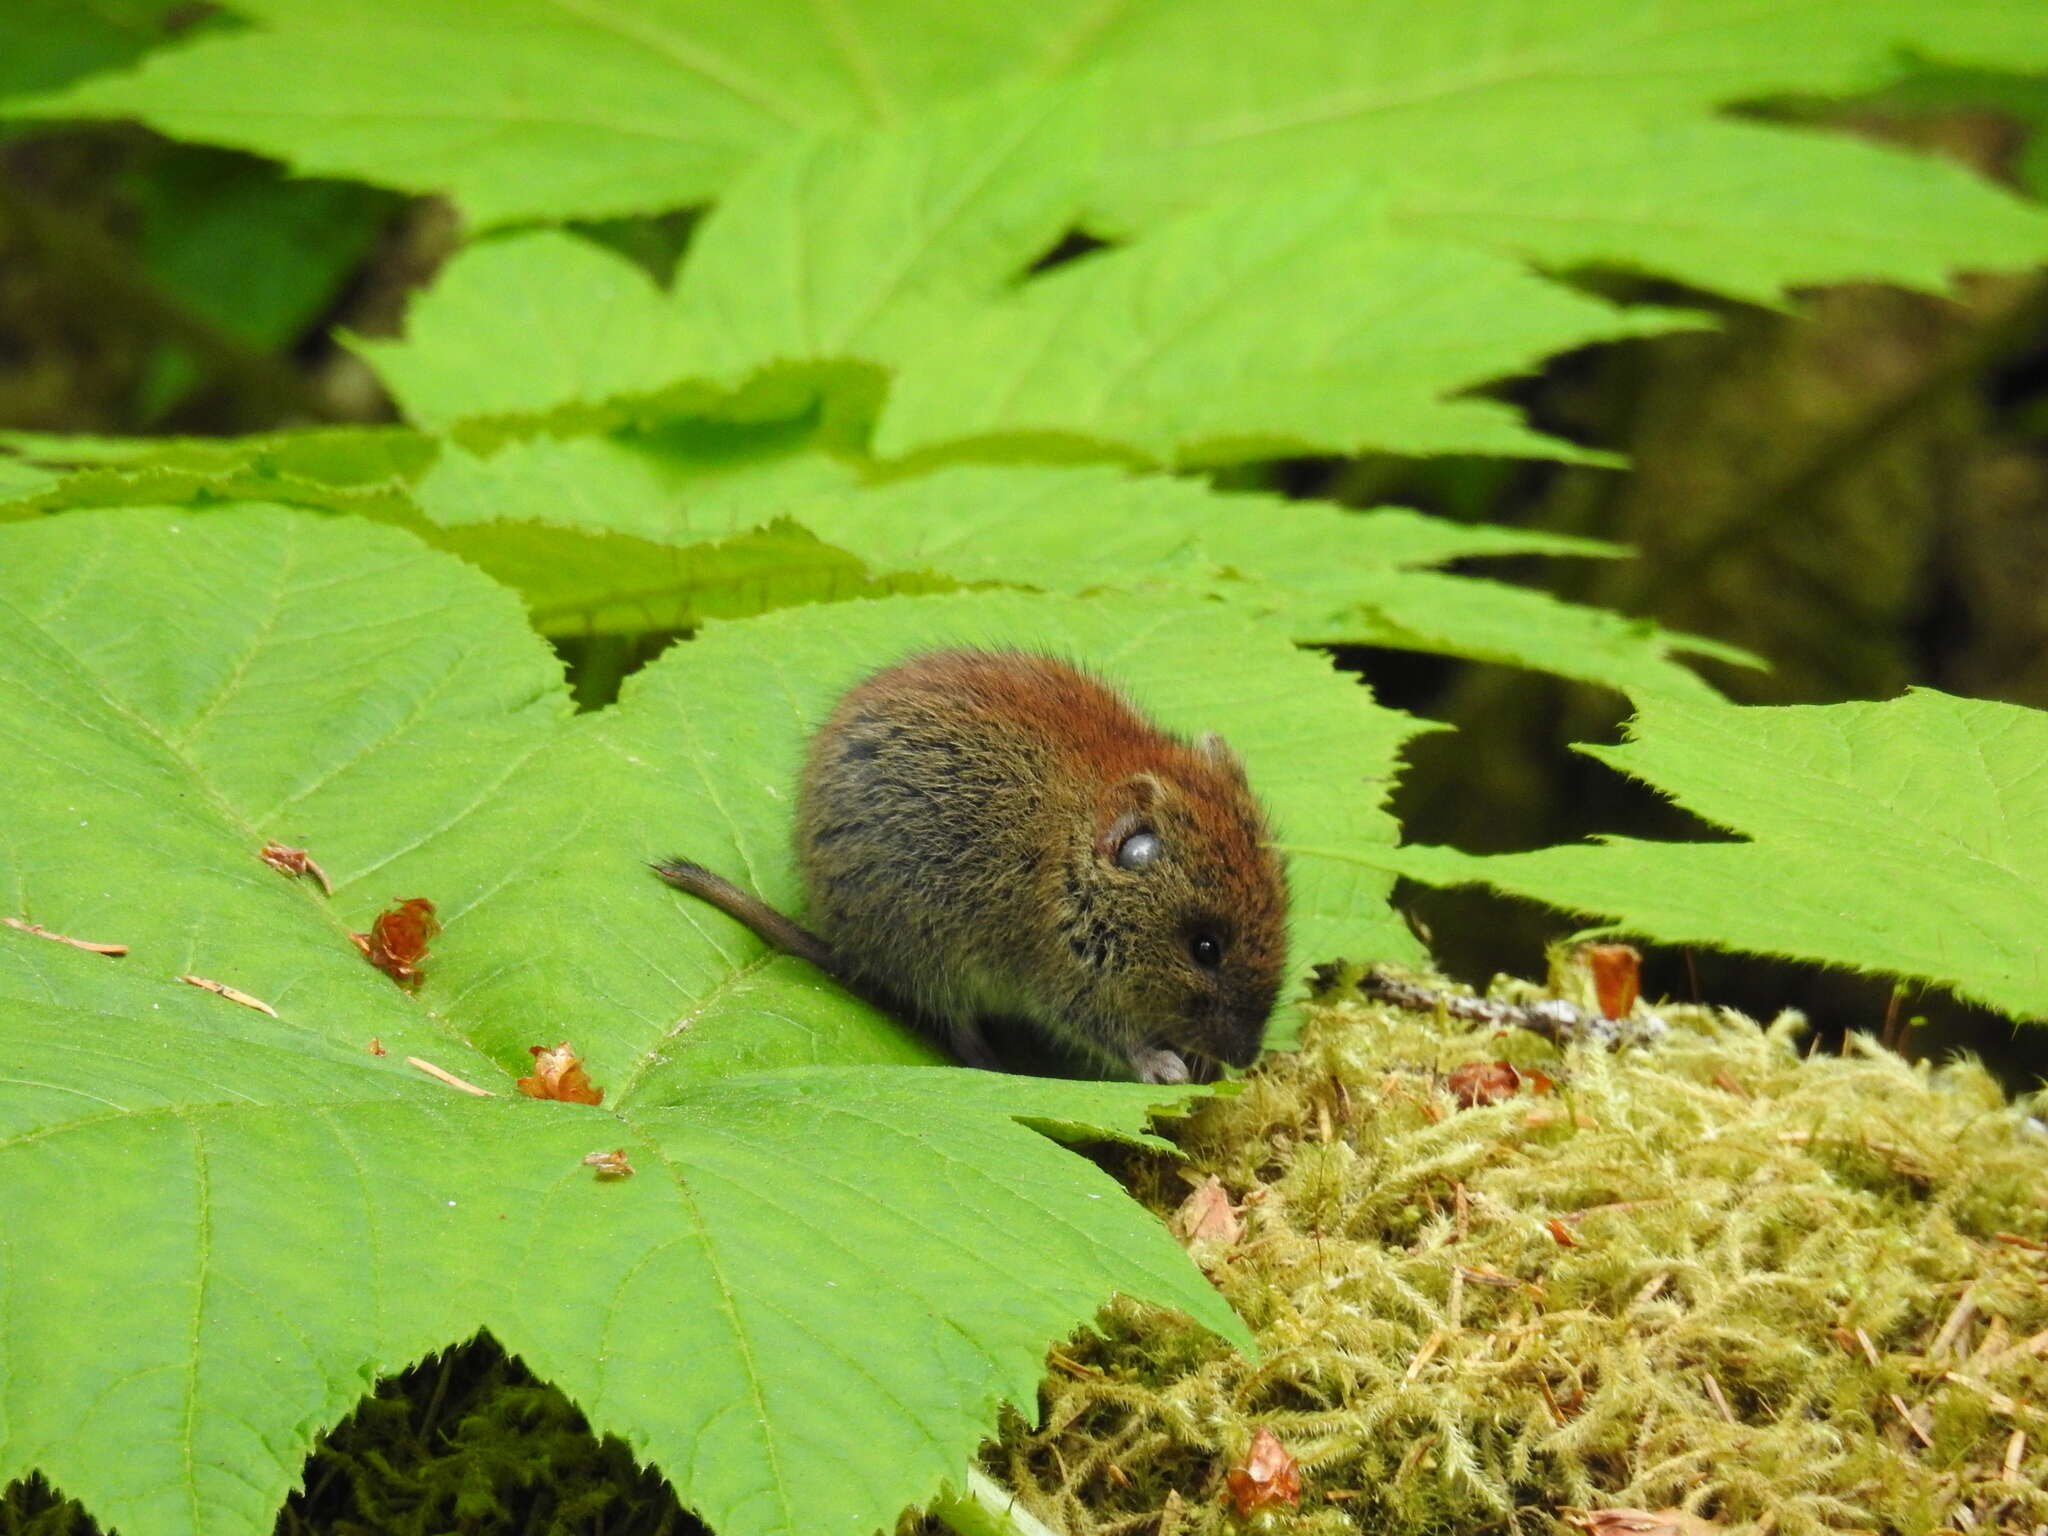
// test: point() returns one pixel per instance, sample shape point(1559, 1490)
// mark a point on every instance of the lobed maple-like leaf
point(1319, 572)
point(695, 520)
point(1571, 130)
point(529, 323)
point(1302, 322)
point(529, 108)
point(1907, 838)
point(1549, 101)
point(833, 1258)
point(1745, 209)
point(860, 245)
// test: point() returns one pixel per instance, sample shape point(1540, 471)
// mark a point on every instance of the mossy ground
point(1782, 1292)
point(1788, 1293)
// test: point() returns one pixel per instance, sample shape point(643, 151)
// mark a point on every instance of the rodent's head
point(1177, 906)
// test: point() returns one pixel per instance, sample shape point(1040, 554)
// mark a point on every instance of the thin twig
point(1424, 1355)
point(1553, 1018)
point(64, 938)
point(222, 989)
point(448, 1077)
point(1899, 1406)
point(1960, 1317)
point(1714, 1391)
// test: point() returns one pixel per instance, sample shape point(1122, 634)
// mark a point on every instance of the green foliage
point(526, 325)
point(1288, 282)
point(1302, 323)
point(755, 1309)
point(1904, 838)
point(53, 42)
point(959, 284)
point(1322, 249)
point(666, 526)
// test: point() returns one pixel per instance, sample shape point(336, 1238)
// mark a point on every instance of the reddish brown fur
point(958, 829)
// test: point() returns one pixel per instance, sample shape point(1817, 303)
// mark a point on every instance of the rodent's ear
point(1220, 754)
point(1125, 809)
point(1134, 792)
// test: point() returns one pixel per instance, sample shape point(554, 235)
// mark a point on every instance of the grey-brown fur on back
point(951, 828)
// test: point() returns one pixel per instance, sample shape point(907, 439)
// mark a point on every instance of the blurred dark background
point(1855, 487)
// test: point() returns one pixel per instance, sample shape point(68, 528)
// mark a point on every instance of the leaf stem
point(985, 1509)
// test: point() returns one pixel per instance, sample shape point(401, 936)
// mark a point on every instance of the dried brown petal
point(558, 1074)
point(1483, 1082)
point(1617, 976)
point(397, 941)
point(1206, 1217)
point(1267, 1478)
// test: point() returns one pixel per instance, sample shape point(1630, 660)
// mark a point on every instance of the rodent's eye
point(1138, 850)
point(1206, 950)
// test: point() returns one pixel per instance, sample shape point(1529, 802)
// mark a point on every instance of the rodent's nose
point(1245, 1054)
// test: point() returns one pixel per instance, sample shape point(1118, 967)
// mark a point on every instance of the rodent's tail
point(750, 909)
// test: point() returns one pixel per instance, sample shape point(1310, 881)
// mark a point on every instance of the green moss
point(1651, 1286)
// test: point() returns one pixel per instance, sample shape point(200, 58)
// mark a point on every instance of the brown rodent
point(993, 836)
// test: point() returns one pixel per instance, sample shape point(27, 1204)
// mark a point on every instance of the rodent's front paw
point(1158, 1066)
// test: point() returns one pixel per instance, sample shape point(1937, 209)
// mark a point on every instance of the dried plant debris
point(397, 941)
point(1616, 971)
point(295, 862)
point(558, 1074)
point(610, 1165)
point(1267, 1478)
point(441, 1073)
point(232, 994)
point(1557, 1018)
point(1713, 1279)
point(22, 924)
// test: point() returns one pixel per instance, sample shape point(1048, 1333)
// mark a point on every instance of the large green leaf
point(1571, 129)
point(524, 108)
point(664, 530)
point(1319, 302)
point(1738, 208)
point(856, 246)
point(1318, 572)
point(53, 42)
point(528, 324)
point(1213, 99)
point(806, 1303)
point(846, 248)
point(1908, 838)
point(1300, 323)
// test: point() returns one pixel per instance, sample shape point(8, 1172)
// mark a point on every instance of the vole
point(994, 836)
